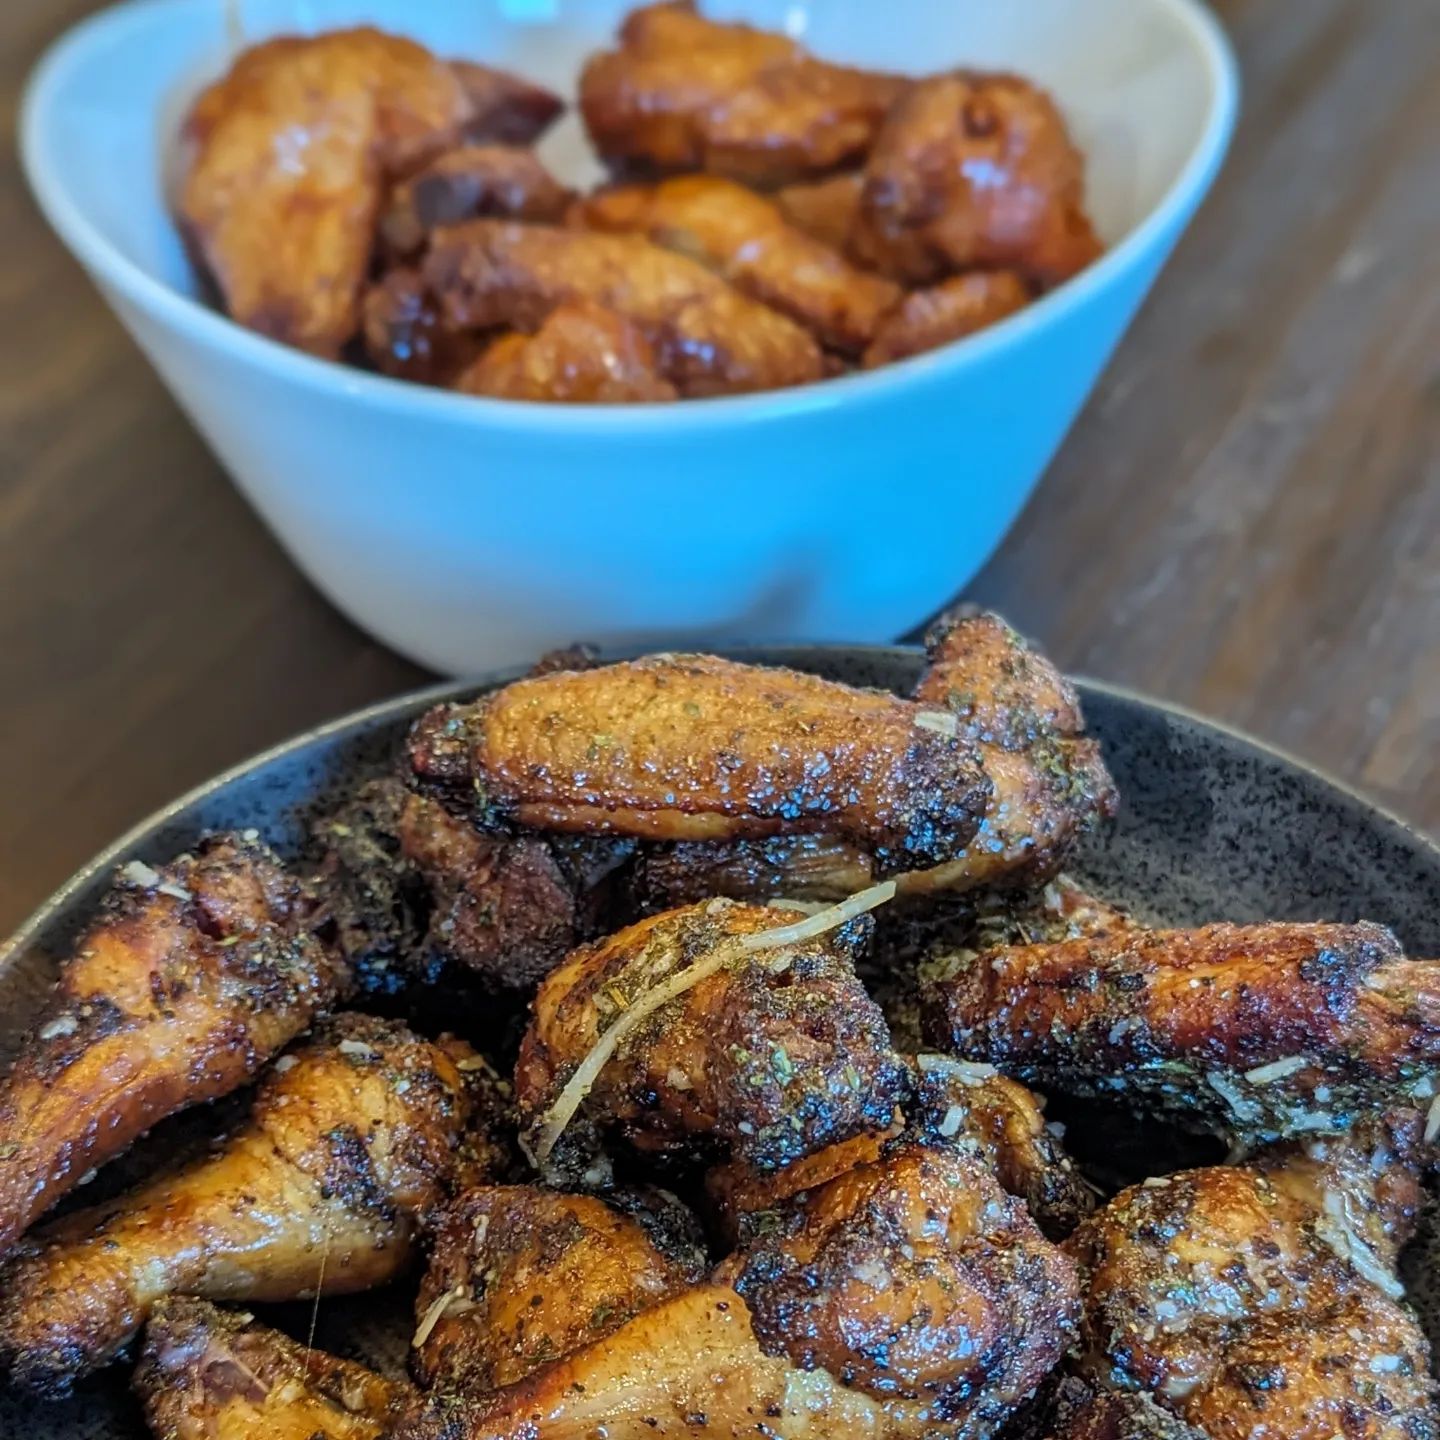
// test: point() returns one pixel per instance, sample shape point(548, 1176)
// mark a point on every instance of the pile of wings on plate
point(772, 218)
point(767, 964)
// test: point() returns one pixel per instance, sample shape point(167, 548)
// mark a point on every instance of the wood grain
point(1246, 519)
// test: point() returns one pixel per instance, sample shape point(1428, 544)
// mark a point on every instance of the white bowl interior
point(1136, 84)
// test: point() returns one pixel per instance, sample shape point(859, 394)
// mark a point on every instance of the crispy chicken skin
point(952, 1103)
point(192, 978)
point(1048, 781)
point(288, 155)
point(746, 239)
point(691, 747)
point(1258, 1031)
point(960, 306)
point(212, 1374)
point(684, 93)
point(974, 170)
point(769, 1058)
point(583, 354)
point(1261, 1301)
point(467, 183)
point(793, 867)
point(521, 1276)
point(1075, 1410)
point(351, 1142)
point(907, 1298)
point(709, 339)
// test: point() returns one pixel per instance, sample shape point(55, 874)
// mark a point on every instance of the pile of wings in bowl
point(775, 219)
point(756, 1155)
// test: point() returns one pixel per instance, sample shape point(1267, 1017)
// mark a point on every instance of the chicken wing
point(826, 210)
point(1257, 1031)
point(352, 1140)
point(194, 976)
point(289, 154)
point(960, 306)
point(522, 1276)
point(708, 338)
point(770, 1056)
point(1261, 1300)
point(691, 747)
point(468, 183)
point(952, 1103)
point(1048, 781)
point(909, 1297)
point(790, 867)
point(212, 1374)
point(746, 239)
point(686, 93)
point(974, 170)
point(404, 335)
point(583, 354)
point(1074, 1410)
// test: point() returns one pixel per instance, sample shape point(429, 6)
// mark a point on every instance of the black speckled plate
point(1213, 827)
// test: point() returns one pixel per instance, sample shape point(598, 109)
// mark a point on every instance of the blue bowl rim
point(208, 326)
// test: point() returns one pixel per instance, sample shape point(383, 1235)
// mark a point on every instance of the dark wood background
point(1247, 518)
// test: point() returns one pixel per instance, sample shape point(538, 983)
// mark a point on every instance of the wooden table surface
point(1246, 519)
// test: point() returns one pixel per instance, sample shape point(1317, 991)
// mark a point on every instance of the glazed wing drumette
point(1256, 1031)
point(521, 1276)
point(708, 338)
point(351, 1142)
point(907, 1298)
point(194, 976)
point(288, 157)
point(974, 171)
point(951, 310)
point(705, 1044)
point(746, 238)
point(1262, 1300)
point(684, 93)
point(1048, 781)
point(692, 747)
point(212, 1374)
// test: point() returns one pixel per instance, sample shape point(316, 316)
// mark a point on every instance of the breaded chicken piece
point(952, 1103)
point(974, 170)
point(212, 1374)
point(583, 354)
point(685, 93)
point(708, 338)
point(521, 1276)
point(351, 1142)
point(468, 183)
point(692, 747)
point(951, 310)
point(1262, 1300)
point(289, 154)
point(772, 1056)
point(193, 977)
point(745, 238)
point(1048, 780)
point(1257, 1031)
point(907, 1298)
point(826, 210)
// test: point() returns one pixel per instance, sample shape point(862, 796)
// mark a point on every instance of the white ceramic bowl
point(474, 533)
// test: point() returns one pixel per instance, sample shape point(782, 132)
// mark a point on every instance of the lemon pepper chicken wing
point(288, 156)
point(709, 339)
point(697, 748)
point(746, 238)
point(768, 1057)
point(351, 1142)
point(582, 354)
point(194, 976)
point(212, 1374)
point(1255, 1030)
point(1262, 1300)
point(521, 1276)
point(683, 93)
point(907, 1298)
point(974, 171)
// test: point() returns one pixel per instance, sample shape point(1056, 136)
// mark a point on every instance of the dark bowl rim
point(395, 706)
